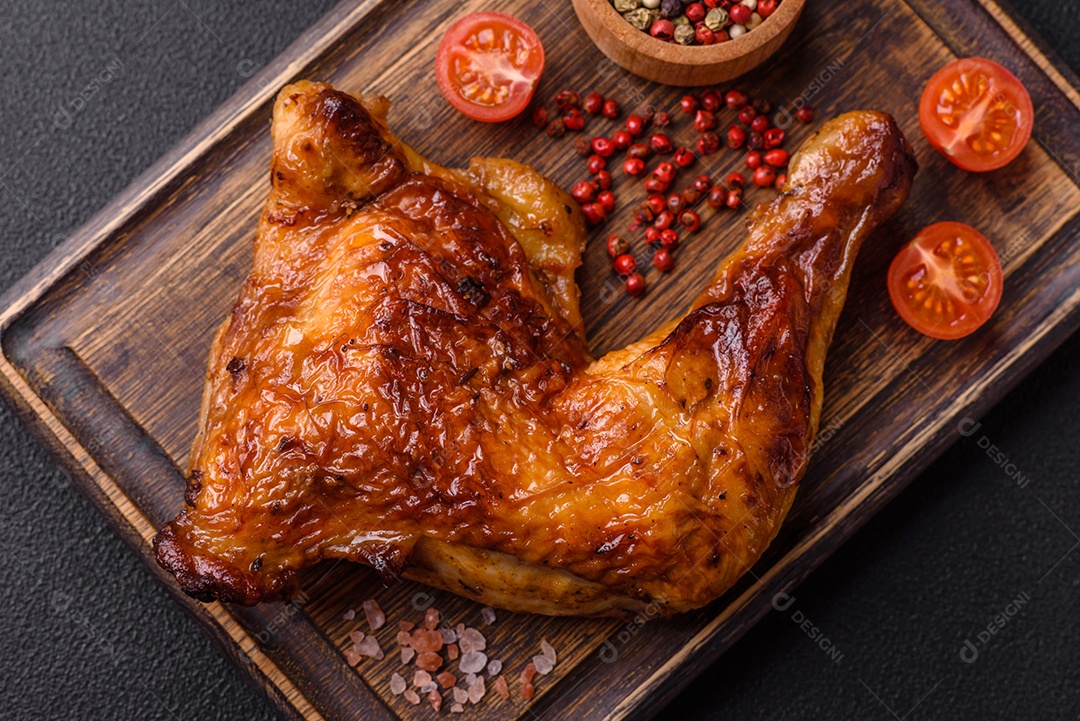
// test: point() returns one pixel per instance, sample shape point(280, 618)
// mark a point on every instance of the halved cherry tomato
point(947, 281)
point(488, 66)
point(977, 114)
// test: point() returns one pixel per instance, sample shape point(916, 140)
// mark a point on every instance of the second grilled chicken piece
point(404, 380)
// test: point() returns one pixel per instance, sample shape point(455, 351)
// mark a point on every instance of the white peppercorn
point(716, 19)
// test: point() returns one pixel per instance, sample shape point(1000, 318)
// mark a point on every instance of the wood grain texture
point(104, 344)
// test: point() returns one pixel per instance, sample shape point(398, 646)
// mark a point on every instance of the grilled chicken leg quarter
point(404, 380)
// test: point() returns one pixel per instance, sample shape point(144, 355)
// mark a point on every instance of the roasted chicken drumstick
point(404, 380)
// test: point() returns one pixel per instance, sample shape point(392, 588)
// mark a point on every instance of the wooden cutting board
point(104, 343)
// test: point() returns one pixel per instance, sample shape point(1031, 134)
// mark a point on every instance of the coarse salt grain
point(494, 667)
point(406, 626)
point(412, 697)
point(471, 640)
point(457, 708)
point(477, 690)
point(407, 654)
point(349, 615)
point(352, 658)
point(502, 688)
point(452, 651)
point(543, 665)
point(374, 614)
point(547, 651)
point(397, 684)
point(431, 619)
point(472, 662)
point(448, 635)
point(428, 688)
point(370, 647)
point(435, 699)
point(488, 613)
point(461, 695)
point(446, 679)
point(429, 661)
point(356, 636)
point(421, 678)
point(426, 641)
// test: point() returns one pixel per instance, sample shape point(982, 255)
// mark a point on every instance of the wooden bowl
point(674, 64)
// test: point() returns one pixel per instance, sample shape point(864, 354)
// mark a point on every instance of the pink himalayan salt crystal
point(502, 688)
point(407, 654)
point(543, 664)
point(547, 651)
point(446, 679)
point(406, 626)
point(471, 640)
point(431, 619)
point(435, 699)
point(477, 690)
point(494, 667)
point(426, 641)
point(349, 615)
point(352, 657)
point(473, 662)
point(429, 661)
point(488, 614)
point(397, 684)
point(421, 678)
point(457, 708)
point(460, 695)
point(412, 697)
point(370, 647)
point(356, 636)
point(374, 614)
point(452, 651)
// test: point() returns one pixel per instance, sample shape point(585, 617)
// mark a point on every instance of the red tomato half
point(947, 281)
point(977, 114)
point(488, 66)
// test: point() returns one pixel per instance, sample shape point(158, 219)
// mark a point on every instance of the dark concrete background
point(88, 634)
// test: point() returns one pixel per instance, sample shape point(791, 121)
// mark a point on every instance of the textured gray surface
point(88, 633)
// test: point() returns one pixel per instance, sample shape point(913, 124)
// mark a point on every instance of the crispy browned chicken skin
point(404, 380)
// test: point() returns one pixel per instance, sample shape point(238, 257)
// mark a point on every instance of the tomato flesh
point(947, 282)
point(488, 66)
point(977, 114)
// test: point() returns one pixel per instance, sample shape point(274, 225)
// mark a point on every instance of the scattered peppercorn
point(664, 260)
point(606, 199)
point(540, 117)
point(594, 103)
point(684, 157)
point(805, 114)
point(611, 109)
point(566, 99)
point(596, 162)
point(624, 264)
point(574, 120)
point(634, 166)
point(635, 284)
point(764, 176)
point(556, 128)
point(616, 245)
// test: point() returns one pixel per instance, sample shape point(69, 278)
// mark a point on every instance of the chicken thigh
point(404, 380)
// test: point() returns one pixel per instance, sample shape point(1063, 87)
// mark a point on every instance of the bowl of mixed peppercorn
point(689, 42)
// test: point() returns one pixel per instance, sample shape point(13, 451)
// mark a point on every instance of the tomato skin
point(969, 98)
point(929, 275)
point(519, 81)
